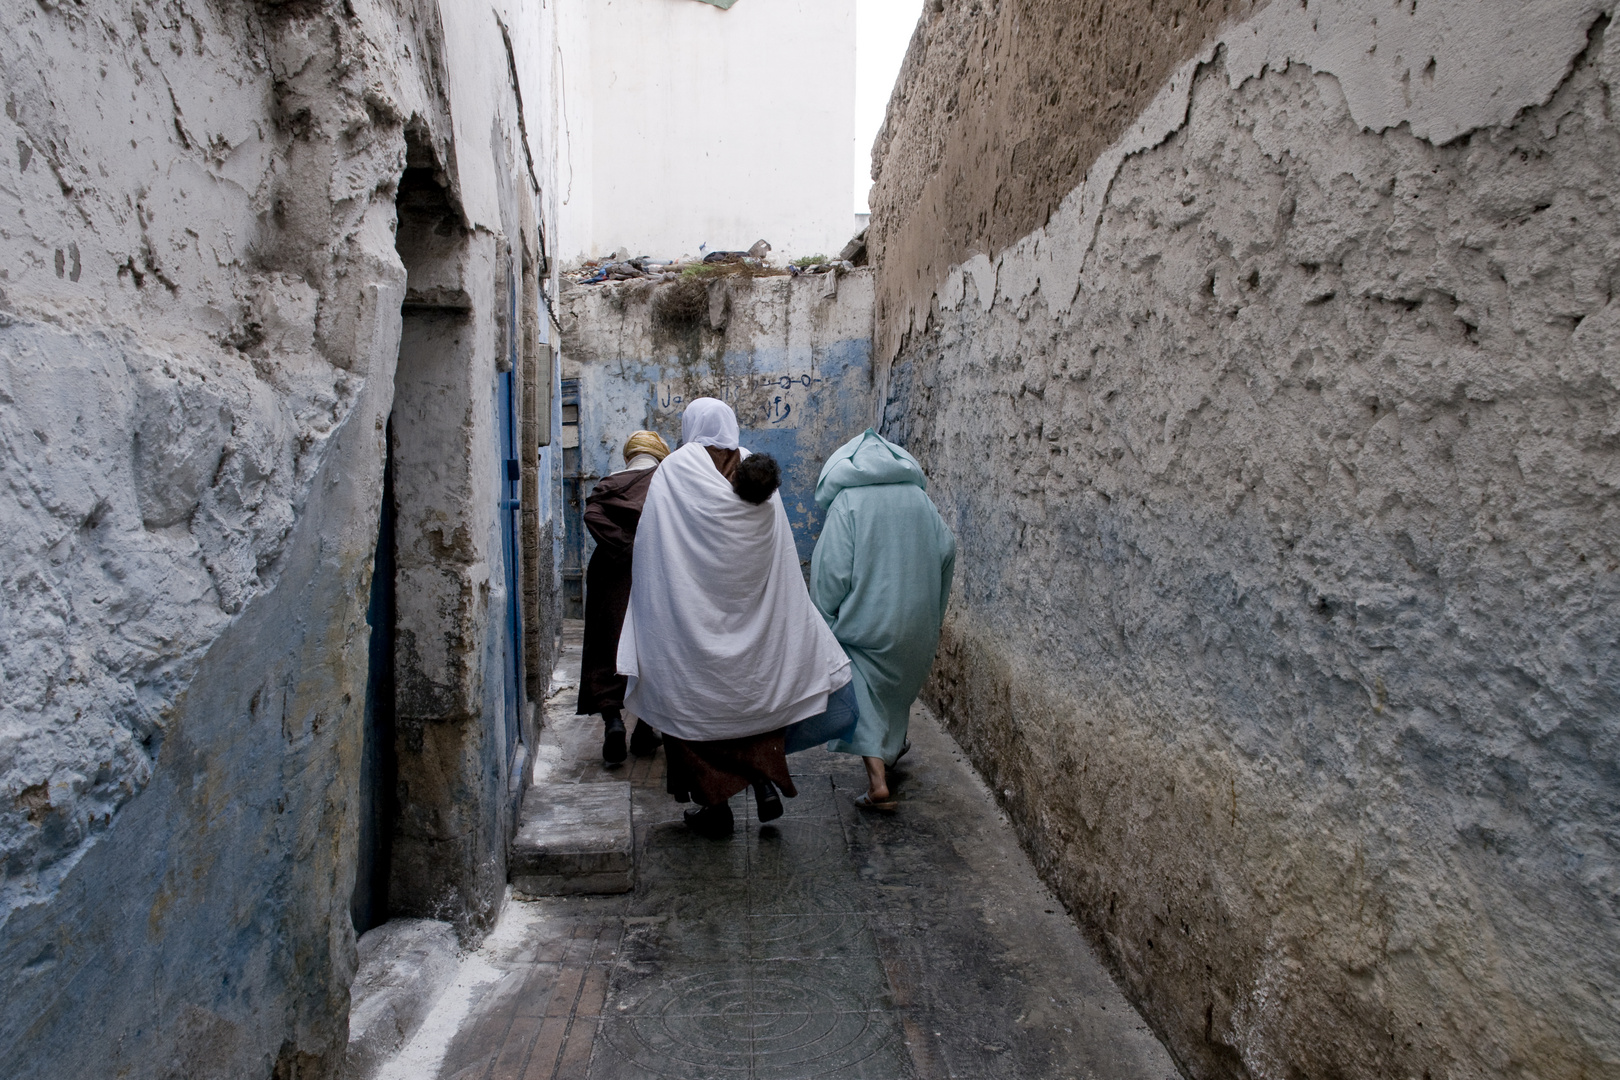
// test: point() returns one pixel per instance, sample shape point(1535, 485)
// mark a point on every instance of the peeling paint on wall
point(1290, 436)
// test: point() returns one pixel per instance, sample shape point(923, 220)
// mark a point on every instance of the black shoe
point(905, 748)
point(613, 740)
point(767, 801)
point(715, 822)
point(644, 741)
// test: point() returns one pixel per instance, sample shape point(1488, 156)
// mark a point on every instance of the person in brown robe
point(612, 511)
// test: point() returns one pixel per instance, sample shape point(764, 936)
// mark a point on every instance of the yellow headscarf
point(645, 442)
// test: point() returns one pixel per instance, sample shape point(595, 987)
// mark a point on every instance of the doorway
point(368, 907)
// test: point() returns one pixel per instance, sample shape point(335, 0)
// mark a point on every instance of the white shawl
point(720, 639)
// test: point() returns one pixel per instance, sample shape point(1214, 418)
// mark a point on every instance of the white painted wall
point(576, 116)
point(484, 108)
point(693, 126)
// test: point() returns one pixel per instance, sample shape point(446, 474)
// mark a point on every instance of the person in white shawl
point(721, 646)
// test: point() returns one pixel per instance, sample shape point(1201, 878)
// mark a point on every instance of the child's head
point(757, 477)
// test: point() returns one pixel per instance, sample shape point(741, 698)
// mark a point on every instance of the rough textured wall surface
point(999, 110)
point(452, 747)
point(184, 661)
point(793, 357)
point(1294, 442)
point(199, 324)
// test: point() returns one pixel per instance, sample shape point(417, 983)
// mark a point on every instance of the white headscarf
point(709, 421)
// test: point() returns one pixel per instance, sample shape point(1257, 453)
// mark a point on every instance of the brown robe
point(612, 512)
point(709, 773)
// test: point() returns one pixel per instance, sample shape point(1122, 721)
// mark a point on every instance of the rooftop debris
point(760, 251)
point(854, 252)
point(755, 262)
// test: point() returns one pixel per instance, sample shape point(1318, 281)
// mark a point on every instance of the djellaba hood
point(865, 460)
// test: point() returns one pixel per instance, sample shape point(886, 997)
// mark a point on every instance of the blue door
point(511, 489)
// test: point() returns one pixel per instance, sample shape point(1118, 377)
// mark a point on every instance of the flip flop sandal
point(866, 802)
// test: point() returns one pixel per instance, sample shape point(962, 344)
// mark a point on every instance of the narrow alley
point(1199, 420)
point(830, 943)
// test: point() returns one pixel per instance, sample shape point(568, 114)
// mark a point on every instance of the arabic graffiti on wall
point(774, 400)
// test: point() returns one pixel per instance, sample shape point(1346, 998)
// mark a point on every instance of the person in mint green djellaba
point(880, 576)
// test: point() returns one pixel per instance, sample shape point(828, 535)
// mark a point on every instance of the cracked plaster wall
point(199, 322)
point(1292, 438)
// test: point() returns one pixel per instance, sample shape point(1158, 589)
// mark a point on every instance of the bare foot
point(877, 780)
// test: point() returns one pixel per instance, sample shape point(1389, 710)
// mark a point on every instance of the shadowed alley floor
point(830, 943)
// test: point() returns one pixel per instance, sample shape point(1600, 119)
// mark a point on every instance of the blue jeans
point(838, 722)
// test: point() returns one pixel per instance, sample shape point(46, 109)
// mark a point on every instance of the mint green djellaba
point(880, 576)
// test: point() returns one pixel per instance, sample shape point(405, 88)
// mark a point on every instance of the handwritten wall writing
point(776, 400)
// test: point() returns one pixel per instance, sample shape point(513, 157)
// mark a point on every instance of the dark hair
point(757, 478)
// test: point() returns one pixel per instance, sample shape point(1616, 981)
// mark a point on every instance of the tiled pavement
point(830, 943)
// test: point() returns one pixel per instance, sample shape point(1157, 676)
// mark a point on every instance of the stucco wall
point(998, 112)
point(1291, 439)
point(199, 323)
point(792, 356)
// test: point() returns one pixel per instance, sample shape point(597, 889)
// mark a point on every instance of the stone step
point(404, 965)
point(574, 839)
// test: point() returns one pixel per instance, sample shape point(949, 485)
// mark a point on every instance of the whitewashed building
point(689, 127)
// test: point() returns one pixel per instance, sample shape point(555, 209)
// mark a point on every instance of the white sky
point(882, 32)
